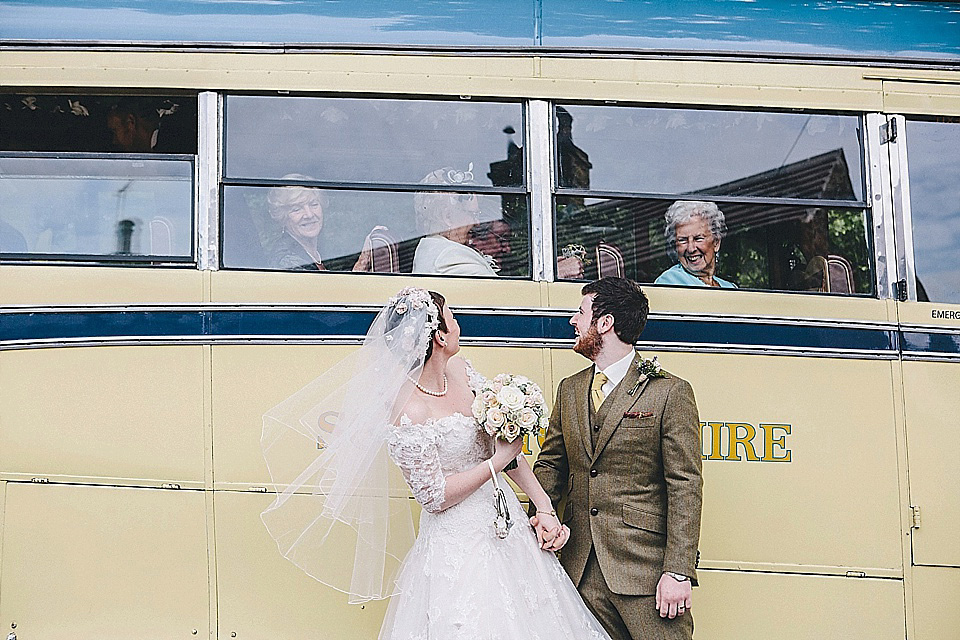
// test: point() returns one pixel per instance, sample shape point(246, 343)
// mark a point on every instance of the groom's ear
point(605, 323)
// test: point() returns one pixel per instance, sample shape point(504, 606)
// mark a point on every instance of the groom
point(624, 449)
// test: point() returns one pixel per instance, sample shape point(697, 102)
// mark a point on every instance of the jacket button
point(593, 473)
point(596, 428)
point(594, 511)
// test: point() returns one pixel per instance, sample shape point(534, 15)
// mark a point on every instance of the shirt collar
point(618, 370)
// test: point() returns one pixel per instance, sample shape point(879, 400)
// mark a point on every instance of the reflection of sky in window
point(832, 27)
point(933, 158)
point(366, 140)
point(681, 150)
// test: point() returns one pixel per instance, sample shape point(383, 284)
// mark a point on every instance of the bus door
point(924, 155)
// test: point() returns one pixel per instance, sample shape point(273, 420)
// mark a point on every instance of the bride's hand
point(506, 452)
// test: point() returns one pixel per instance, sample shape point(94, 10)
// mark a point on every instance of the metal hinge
point(900, 290)
point(170, 485)
point(40, 480)
point(888, 132)
point(914, 517)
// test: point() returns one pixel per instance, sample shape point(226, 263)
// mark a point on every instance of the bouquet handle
point(502, 523)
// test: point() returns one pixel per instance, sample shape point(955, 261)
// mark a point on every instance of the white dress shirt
point(615, 373)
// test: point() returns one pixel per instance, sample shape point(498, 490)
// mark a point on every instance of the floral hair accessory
point(415, 299)
point(647, 369)
point(459, 177)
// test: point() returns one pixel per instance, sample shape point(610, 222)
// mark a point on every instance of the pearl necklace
point(435, 394)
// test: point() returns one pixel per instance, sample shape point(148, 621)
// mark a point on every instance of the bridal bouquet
point(509, 407)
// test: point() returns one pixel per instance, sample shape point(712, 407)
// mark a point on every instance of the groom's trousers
point(629, 617)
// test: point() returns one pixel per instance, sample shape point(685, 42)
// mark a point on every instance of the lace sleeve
point(474, 377)
point(414, 449)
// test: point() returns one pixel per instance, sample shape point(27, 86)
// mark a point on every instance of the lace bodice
point(427, 453)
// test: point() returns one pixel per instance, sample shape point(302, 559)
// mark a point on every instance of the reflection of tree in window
point(783, 247)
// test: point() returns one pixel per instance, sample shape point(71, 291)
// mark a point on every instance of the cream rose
point(511, 398)
point(495, 419)
point(479, 409)
point(528, 419)
point(510, 431)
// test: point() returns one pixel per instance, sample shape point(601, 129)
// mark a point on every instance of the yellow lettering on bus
point(771, 440)
point(746, 441)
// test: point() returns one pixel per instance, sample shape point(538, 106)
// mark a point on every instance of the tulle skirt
point(461, 582)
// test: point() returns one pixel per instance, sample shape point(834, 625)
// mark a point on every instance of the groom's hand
point(551, 538)
point(673, 596)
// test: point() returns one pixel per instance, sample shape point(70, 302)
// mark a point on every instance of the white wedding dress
point(459, 581)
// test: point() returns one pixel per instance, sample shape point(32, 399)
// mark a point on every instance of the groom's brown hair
point(624, 300)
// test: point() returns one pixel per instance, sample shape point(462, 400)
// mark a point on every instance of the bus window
point(370, 141)
point(343, 184)
point(308, 228)
point(933, 152)
point(723, 198)
point(74, 206)
point(93, 177)
point(775, 247)
point(98, 123)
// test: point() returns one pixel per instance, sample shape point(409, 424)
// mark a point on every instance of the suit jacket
point(636, 495)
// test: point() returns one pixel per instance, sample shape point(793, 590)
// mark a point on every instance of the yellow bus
point(202, 205)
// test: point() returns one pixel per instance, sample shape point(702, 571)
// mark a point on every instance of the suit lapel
point(620, 400)
point(581, 389)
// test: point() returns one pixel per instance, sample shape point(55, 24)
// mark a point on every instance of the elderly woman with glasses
point(453, 238)
point(693, 232)
point(446, 219)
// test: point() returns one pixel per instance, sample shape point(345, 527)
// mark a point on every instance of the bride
point(395, 415)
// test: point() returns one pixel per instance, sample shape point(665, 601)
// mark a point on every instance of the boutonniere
point(647, 369)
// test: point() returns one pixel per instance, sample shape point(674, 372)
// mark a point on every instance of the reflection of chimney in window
point(124, 236)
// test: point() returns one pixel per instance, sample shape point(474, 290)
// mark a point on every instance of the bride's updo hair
point(398, 309)
point(441, 302)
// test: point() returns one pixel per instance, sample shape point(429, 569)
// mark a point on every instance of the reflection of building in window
point(574, 162)
point(770, 246)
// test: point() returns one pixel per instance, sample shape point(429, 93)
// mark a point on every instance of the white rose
point(479, 409)
point(528, 419)
point(495, 419)
point(510, 431)
point(510, 397)
point(544, 421)
point(489, 398)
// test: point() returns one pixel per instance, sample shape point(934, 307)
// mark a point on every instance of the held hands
point(550, 533)
point(673, 596)
point(505, 452)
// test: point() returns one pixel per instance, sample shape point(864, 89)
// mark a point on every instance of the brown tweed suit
point(632, 488)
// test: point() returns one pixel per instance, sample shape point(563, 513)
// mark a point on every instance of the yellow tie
point(596, 390)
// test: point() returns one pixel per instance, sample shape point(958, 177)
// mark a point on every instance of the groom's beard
point(588, 344)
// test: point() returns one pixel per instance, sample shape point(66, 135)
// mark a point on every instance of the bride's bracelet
point(552, 512)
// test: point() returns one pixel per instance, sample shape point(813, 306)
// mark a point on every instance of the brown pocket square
point(638, 414)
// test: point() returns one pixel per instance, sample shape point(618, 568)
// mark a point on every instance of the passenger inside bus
point(298, 211)
point(446, 220)
point(143, 125)
point(693, 233)
point(492, 239)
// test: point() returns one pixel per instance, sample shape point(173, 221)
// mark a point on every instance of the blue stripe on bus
point(32, 326)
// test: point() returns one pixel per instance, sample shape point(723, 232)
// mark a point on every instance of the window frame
point(223, 181)
point(113, 259)
point(866, 204)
